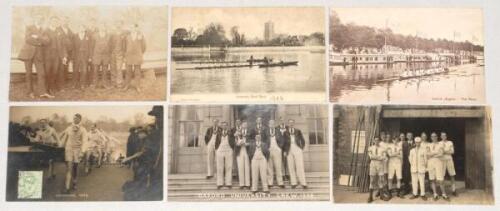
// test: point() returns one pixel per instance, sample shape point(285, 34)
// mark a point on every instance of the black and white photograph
point(88, 53)
point(412, 154)
point(407, 55)
point(248, 54)
point(248, 153)
point(85, 153)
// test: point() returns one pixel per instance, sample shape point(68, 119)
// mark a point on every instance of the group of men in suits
point(98, 54)
point(260, 153)
point(410, 160)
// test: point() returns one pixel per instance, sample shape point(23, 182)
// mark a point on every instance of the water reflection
point(379, 83)
point(307, 76)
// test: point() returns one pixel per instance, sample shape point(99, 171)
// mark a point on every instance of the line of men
point(79, 145)
point(98, 55)
point(260, 154)
point(408, 160)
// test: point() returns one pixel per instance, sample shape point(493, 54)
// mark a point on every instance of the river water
point(366, 84)
point(307, 76)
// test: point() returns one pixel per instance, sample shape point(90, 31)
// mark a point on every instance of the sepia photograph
point(248, 153)
point(88, 53)
point(85, 153)
point(253, 54)
point(407, 55)
point(409, 154)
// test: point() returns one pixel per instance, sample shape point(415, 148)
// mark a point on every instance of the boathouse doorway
point(468, 136)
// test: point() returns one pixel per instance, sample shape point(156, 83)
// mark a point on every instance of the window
point(358, 141)
point(190, 127)
point(317, 124)
point(293, 110)
point(191, 133)
point(214, 112)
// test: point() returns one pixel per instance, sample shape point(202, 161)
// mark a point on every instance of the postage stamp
point(30, 185)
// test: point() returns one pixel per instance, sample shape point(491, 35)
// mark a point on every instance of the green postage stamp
point(29, 185)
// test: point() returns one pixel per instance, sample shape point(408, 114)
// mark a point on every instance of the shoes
point(413, 197)
point(304, 186)
point(219, 187)
point(282, 186)
point(267, 192)
point(294, 186)
point(209, 177)
point(424, 198)
point(436, 197)
point(370, 200)
point(454, 193)
point(446, 198)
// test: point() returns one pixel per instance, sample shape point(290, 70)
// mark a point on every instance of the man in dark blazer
point(258, 150)
point(275, 163)
point(293, 150)
point(67, 40)
point(55, 55)
point(101, 56)
point(32, 54)
point(118, 46)
point(134, 52)
point(259, 129)
point(81, 57)
point(224, 147)
point(210, 136)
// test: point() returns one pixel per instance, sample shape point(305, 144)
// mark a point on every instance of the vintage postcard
point(407, 55)
point(248, 54)
point(404, 154)
point(88, 53)
point(248, 153)
point(85, 153)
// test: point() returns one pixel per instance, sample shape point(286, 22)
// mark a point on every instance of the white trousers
point(243, 167)
point(224, 159)
point(295, 160)
point(210, 157)
point(259, 170)
point(275, 164)
point(418, 180)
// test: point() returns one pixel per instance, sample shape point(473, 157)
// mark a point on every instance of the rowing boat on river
point(278, 64)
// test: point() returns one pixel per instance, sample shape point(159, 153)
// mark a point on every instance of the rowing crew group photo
point(102, 55)
point(414, 163)
point(264, 152)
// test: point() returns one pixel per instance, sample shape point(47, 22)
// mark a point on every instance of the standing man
point(55, 55)
point(95, 139)
point(436, 168)
point(81, 57)
point(47, 135)
point(118, 45)
point(406, 146)
point(447, 159)
point(100, 57)
point(395, 153)
point(418, 162)
point(284, 135)
point(67, 41)
point(32, 54)
point(242, 139)
point(293, 151)
point(386, 140)
point(259, 155)
point(224, 146)
point(210, 137)
point(274, 166)
point(134, 51)
point(377, 156)
point(73, 140)
point(259, 129)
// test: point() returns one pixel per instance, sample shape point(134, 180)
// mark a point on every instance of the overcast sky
point(428, 22)
point(293, 20)
point(119, 113)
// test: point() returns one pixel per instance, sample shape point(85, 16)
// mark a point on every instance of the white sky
point(119, 113)
point(293, 20)
point(429, 22)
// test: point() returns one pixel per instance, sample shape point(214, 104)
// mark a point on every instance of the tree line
point(350, 35)
point(214, 34)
